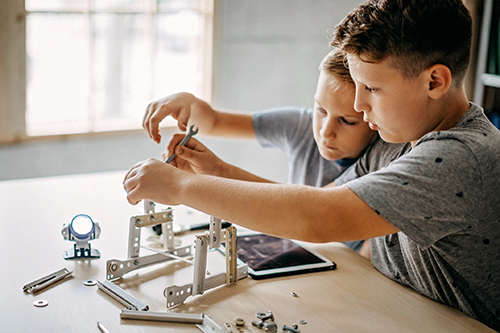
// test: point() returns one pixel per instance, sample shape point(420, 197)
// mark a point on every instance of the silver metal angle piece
point(210, 326)
point(46, 281)
point(122, 296)
point(190, 318)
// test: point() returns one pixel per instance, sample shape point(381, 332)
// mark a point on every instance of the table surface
point(352, 298)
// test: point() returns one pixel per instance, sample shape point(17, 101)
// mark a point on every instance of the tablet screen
point(268, 256)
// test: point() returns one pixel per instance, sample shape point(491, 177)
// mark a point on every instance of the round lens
point(82, 224)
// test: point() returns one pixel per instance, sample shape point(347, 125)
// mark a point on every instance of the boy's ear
point(439, 80)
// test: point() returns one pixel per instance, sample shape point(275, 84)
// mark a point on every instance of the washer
point(41, 303)
point(90, 283)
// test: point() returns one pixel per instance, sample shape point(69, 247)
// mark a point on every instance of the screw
point(270, 327)
point(139, 221)
point(258, 324)
point(290, 329)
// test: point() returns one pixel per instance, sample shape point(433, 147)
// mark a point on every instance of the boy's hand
point(154, 180)
point(183, 107)
point(194, 157)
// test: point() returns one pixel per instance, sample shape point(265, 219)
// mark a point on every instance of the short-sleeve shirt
point(289, 129)
point(444, 197)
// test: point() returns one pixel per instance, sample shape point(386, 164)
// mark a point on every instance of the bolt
point(290, 329)
point(270, 327)
point(113, 267)
point(258, 324)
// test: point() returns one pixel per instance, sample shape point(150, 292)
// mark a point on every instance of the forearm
point(289, 211)
point(230, 171)
point(231, 125)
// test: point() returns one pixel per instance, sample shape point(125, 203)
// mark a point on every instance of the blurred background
point(77, 75)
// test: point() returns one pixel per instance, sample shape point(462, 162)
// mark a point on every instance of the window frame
point(13, 90)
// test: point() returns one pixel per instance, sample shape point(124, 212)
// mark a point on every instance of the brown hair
point(417, 34)
point(334, 64)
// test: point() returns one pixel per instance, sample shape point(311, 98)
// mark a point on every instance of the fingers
point(130, 184)
point(148, 124)
point(178, 106)
point(176, 139)
point(132, 181)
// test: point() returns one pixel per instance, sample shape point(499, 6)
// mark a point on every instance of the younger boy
point(320, 143)
point(433, 213)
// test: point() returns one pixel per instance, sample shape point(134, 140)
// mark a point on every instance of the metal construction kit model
point(175, 295)
point(82, 229)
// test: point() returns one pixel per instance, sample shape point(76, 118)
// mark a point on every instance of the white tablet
point(268, 256)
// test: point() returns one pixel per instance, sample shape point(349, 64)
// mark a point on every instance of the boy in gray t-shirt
point(449, 200)
point(434, 211)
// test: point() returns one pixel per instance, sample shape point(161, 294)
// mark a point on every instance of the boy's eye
point(320, 110)
point(345, 121)
point(372, 90)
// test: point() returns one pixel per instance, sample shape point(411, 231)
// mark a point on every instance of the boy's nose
point(329, 130)
point(360, 104)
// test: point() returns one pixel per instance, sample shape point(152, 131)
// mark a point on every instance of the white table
point(353, 298)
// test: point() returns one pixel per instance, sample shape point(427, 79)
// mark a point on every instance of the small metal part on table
point(238, 321)
point(41, 303)
point(102, 328)
point(89, 283)
point(210, 326)
point(302, 322)
point(191, 318)
point(290, 329)
point(44, 282)
point(122, 296)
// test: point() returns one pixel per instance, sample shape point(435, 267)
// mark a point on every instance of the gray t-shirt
point(290, 130)
point(444, 196)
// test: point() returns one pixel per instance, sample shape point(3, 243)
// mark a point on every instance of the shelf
point(490, 80)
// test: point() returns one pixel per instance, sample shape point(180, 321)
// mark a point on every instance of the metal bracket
point(44, 282)
point(117, 268)
point(210, 326)
point(122, 296)
point(215, 232)
point(176, 295)
point(190, 318)
point(139, 221)
point(231, 255)
point(204, 323)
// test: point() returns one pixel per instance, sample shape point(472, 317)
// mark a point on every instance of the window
point(94, 65)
